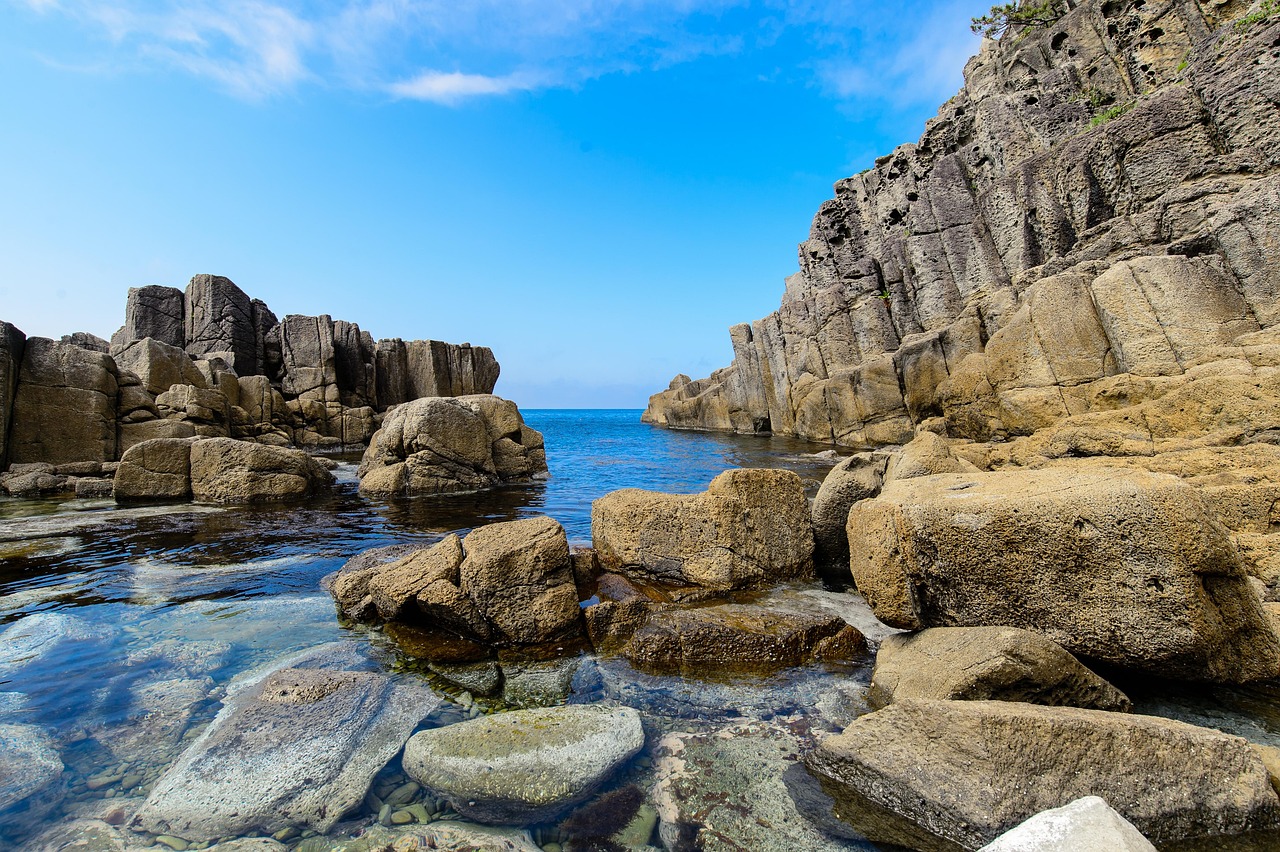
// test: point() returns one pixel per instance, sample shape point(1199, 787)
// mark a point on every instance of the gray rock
point(426, 368)
point(1085, 825)
point(526, 766)
point(85, 340)
point(12, 344)
point(30, 777)
point(291, 747)
point(855, 478)
point(64, 409)
point(44, 638)
point(155, 720)
point(155, 312)
point(986, 663)
point(159, 366)
point(219, 317)
point(937, 774)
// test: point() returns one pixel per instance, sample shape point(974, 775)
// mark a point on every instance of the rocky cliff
point(1091, 221)
point(210, 361)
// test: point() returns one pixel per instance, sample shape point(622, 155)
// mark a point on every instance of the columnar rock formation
point(212, 362)
point(1095, 213)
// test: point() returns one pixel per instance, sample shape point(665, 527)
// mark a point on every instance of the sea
point(96, 602)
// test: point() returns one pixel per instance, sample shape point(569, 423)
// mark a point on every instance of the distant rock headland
point(210, 362)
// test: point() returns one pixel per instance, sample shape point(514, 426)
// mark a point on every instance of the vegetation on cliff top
point(1016, 17)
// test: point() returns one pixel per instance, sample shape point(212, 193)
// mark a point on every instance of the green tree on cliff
point(1017, 16)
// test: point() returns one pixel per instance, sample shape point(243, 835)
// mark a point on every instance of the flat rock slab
point(1085, 825)
point(526, 766)
point(297, 747)
point(986, 663)
point(735, 788)
point(1123, 566)
point(935, 775)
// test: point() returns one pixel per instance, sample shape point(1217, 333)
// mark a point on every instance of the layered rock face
point(1093, 215)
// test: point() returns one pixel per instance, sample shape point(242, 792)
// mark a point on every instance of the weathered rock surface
point(30, 776)
point(1093, 215)
point(1122, 566)
point(156, 312)
point(219, 317)
point(12, 344)
point(740, 638)
point(296, 748)
point(159, 469)
point(1084, 825)
point(941, 774)
point(440, 445)
point(208, 411)
point(159, 365)
point(526, 766)
point(224, 470)
point(986, 663)
point(855, 478)
point(422, 368)
point(64, 409)
point(740, 787)
point(507, 584)
point(749, 528)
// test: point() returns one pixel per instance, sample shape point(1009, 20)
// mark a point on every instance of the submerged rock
point(30, 777)
point(526, 766)
point(986, 663)
point(294, 747)
point(440, 445)
point(740, 638)
point(936, 774)
point(749, 528)
point(1122, 566)
point(1085, 825)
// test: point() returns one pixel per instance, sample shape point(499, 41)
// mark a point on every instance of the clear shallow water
point(137, 619)
point(105, 603)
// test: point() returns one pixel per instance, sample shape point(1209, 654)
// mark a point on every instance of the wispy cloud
point(447, 52)
point(451, 88)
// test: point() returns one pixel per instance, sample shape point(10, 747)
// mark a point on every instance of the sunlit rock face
point(1095, 213)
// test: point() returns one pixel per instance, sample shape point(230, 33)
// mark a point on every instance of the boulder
point(926, 455)
point(159, 365)
point(934, 775)
point(219, 317)
point(87, 340)
point(1085, 825)
point(508, 584)
point(224, 470)
point(749, 528)
point(855, 478)
point(64, 409)
point(439, 445)
point(525, 766)
point(30, 777)
point(32, 484)
point(740, 638)
point(158, 469)
point(297, 747)
point(155, 312)
point(1122, 566)
point(986, 663)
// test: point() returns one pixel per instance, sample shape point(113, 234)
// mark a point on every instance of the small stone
point(285, 834)
point(403, 794)
point(420, 813)
point(384, 815)
point(401, 818)
point(128, 782)
point(97, 782)
point(552, 847)
point(177, 844)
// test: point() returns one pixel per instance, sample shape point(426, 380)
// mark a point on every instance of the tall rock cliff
point(1096, 213)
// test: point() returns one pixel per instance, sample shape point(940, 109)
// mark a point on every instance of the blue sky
point(596, 190)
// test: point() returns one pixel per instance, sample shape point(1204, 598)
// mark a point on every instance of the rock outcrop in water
point(1090, 221)
point(213, 362)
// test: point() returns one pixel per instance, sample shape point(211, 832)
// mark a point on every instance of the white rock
point(1085, 825)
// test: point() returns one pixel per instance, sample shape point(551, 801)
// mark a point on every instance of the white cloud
point(452, 88)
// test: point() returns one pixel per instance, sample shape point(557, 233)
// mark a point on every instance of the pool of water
point(103, 604)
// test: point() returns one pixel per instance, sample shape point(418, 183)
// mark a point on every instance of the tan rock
point(749, 528)
point(1121, 566)
point(224, 470)
point(855, 478)
point(937, 775)
point(159, 365)
point(159, 468)
point(926, 455)
point(64, 408)
point(986, 663)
